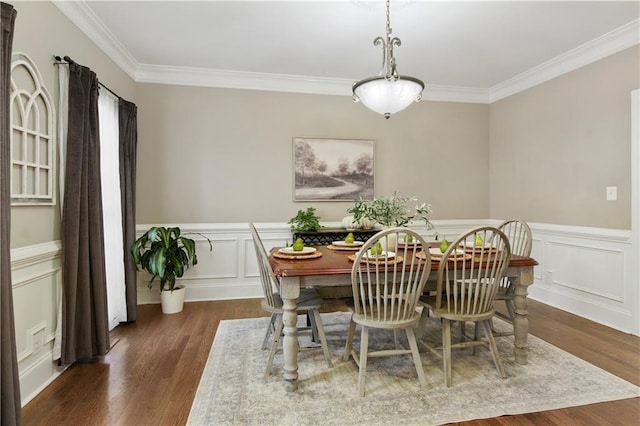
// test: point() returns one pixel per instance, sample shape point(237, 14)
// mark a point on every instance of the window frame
point(26, 102)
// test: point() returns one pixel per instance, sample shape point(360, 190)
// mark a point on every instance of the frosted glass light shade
point(388, 97)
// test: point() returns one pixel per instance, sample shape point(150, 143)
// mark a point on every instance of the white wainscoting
point(36, 276)
point(586, 271)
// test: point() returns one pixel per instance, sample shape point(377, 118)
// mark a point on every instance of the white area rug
point(233, 389)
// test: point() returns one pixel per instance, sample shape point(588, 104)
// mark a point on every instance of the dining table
point(331, 266)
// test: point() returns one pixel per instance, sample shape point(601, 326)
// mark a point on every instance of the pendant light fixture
point(388, 92)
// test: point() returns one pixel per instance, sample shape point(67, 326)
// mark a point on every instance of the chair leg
point(462, 328)
point(510, 308)
point(422, 323)
point(364, 349)
point(311, 322)
point(274, 343)
point(314, 331)
point(446, 351)
point(349, 345)
point(413, 344)
point(494, 348)
point(476, 336)
point(270, 330)
point(322, 336)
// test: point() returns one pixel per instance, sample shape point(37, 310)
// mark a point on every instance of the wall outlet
point(548, 277)
point(612, 193)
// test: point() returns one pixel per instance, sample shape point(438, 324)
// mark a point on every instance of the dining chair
point(520, 240)
point(309, 303)
point(386, 287)
point(468, 280)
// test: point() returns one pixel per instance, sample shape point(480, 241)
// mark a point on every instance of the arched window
point(32, 136)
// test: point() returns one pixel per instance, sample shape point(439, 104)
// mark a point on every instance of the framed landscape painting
point(332, 169)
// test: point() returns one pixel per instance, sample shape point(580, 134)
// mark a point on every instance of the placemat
point(316, 254)
point(437, 258)
point(344, 248)
point(395, 259)
point(410, 246)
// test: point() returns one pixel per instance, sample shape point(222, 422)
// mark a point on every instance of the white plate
point(383, 255)
point(290, 250)
point(436, 251)
point(346, 244)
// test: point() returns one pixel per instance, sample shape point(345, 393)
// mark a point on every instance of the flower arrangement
point(391, 211)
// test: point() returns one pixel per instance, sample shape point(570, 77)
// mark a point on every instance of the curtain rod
point(68, 60)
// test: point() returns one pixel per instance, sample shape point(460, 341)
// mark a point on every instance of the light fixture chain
point(388, 19)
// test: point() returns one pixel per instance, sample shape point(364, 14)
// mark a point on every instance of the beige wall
point(42, 31)
point(556, 147)
point(224, 155)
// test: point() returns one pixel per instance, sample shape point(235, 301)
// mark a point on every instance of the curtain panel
point(11, 413)
point(85, 330)
point(128, 125)
point(63, 116)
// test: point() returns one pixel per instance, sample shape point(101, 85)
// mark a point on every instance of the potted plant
point(305, 220)
point(392, 211)
point(362, 214)
point(166, 255)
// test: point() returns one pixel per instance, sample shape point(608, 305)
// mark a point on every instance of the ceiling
point(476, 51)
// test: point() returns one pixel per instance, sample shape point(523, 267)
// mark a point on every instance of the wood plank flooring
point(151, 374)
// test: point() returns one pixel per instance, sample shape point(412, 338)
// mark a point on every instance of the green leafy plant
point(165, 254)
point(361, 210)
point(305, 220)
point(391, 211)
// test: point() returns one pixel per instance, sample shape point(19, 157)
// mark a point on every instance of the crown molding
point(456, 94)
point(83, 17)
point(608, 44)
point(203, 77)
point(184, 76)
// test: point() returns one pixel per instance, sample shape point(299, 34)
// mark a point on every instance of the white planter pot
point(172, 301)
point(366, 223)
point(349, 223)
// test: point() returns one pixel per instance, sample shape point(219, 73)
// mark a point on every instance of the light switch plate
point(612, 193)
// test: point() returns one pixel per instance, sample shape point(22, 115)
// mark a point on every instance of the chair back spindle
point(270, 284)
point(387, 289)
point(519, 235)
point(470, 272)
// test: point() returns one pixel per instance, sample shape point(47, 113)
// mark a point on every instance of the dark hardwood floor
point(151, 374)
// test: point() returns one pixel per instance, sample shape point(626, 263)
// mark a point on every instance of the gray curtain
point(128, 128)
point(11, 413)
point(85, 325)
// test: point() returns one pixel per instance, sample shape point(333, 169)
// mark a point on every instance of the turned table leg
point(290, 291)
point(521, 321)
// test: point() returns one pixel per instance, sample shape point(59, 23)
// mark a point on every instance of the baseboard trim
point(38, 376)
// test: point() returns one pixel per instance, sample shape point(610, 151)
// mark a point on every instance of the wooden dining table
point(333, 269)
